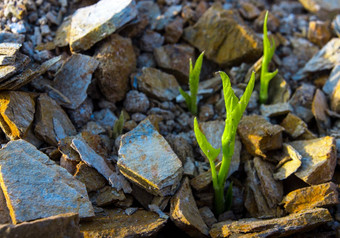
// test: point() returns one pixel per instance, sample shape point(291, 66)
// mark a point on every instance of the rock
point(214, 32)
point(148, 9)
point(52, 123)
point(28, 175)
point(207, 216)
point(289, 164)
point(248, 10)
point(109, 195)
point(118, 224)
point(206, 112)
point(325, 59)
point(319, 110)
point(105, 118)
point(279, 90)
point(285, 226)
point(94, 23)
point(321, 195)
point(89, 177)
point(175, 60)
point(63, 225)
point(319, 32)
point(274, 110)
point(293, 125)
point(332, 81)
point(151, 40)
point(184, 212)
point(6, 60)
point(180, 146)
point(9, 49)
point(136, 102)
point(7, 37)
point(318, 159)
point(189, 167)
point(158, 84)
point(73, 79)
point(163, 20)
point(174, 31)
point(202, 181)
point(302, 100)
point(336, 25)
point(16, 113)
point(94, 128)
point(325, 9)
point(20, 63)
point(82, 114)
point(259, 135)
point(117, 61)
point(146, 159)
point(335, 98)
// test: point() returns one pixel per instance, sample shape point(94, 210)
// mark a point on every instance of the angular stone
point(109, 195)
point(248, 10)
point(319, 32)
point(319, 110)
point(4, 212)
point(285, 226)
point(293, 125)
point(259, 135)
point(221, 34)
point(184, 212)
point(9, 70)
point(318, 159)
point(136, 102)
point(9, 48)
point(35, 187)
point(89, 177)
point(147, 159)
point(202, 181)
point(279, 90)
point(16, 113)
point(158, 84)
point(274, 110)
point(321, 195)
point(151, 40)
point(207, 216)
point(174, 31)
point(325, 9)
point(335, 98)
point(175, 59)
point(289, 164)
point(118, 224)
point(73, 79)
point(6, 60)
point(94, 23)
point(117, 61)
point(332, 81)
point(63, 225)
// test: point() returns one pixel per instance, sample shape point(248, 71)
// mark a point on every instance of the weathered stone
point(155, 167)
point(118, 224)
point(279, 90)
point(221, 34)
point(64, 225)
point(105, 117)
point(174, 31)
point(293, 125)
point(82, 114)
point(9, 70)
point(175, 59)
point(289, 164)
point(319, 110)
point(318, 159)
point(35, 187)
point(52, 123)
point(109, 195)
point(161, 21)
point(336, 25)
point(89, 177)
point(207, 216)
point(180, 146)
point(94, 128)
point(136, 102)
point(319, 32)
point(323, 8)
point(321, 195)
point(203, 180)
point(206, 112)
point(9, 48)
point(332, 81)
point(73, 79)
point(285, 226)
point(117, 61)
point(184, 212)
point(274, 110)
point(158, 84)
point(259, 135)
point(335, 98)
point(94, 23)
point(248, 10)
point(151, 40)
point(16, 113)
point(4, 212)
point(6, 60)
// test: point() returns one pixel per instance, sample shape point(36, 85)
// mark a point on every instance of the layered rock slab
point(147, 159)
point(35, 187)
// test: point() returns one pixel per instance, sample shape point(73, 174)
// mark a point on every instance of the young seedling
point(118, 126)
point(268, 52)
point(234, 111)
point(194, 78)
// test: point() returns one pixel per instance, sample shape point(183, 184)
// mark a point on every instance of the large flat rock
point(35, 187)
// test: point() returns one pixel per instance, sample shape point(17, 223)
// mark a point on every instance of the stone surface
point(9, 48)
point(82, 114)
point(89, 177)
point(184, 212)
point(323, 8)
point(335, 98)
point(174, 31)
point(321, 195)
point(221, 35)
point(118, 224)
point(94, 23)
point(318, 159)
point(332, 81)
point(277, 109)
point(302, 100)
point(151, 40)
point(279, 90)
point(259, 135)
point(117, 61)
point(293, 125)
point(285, 226)
point(51, 122)
point(319, 110)
point(16, 113)
point(64, 225)
point(9, 70)
point(207, 216)
point(109, 195)
point(158, 84)
point(73, 79)
point(319, 32)
point(136, 102)
point(147, 159)
point(289, 164)
point(35, 187)
point(4, 212)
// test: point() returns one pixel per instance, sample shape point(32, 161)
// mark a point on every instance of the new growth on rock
point(194, 78)
point(234, 110)
point(268, 52)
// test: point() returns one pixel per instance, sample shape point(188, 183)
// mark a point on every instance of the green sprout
point(118, 126)
point(234, 111)
point(194, 78)
point(268, 52)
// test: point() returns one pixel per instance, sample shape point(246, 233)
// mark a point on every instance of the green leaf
point(229, 197)
point(118, 126)
point(186, 96)
point(210, 152)
point(230, 99)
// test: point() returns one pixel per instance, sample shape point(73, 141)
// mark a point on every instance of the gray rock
point(89, 177)
point(82, 114)
point(164, 19)
point(149, 9)
point(136, 102)
point(333, 80)
point(9, 49)
point(336, 25)
point(207, 216)
point(325, 9)
point(105, 118)
point(274, 110)
point(20, 63)
point(35, 187)
point(146, 159)
point(151, 40)
point(289, 164)
point(319, 110)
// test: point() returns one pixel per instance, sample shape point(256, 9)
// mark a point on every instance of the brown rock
point(117, 61)
point(289, 164)
point(259, 135)
point(318, 159)
point(293, 125)
point(174, 31)
point(90, 177)
point(207, 216)
point(117, 224)
point(325, 9)
point(203, 180)
point(335, 98)
point(52, 123)
point(319, 108)
point(274, 110)
point(4, 212)
point(184, 212)
point(279, 90)
point(321, 195)
point(278, 227)
point(302, 100)
point(20, 63)
point(63, 225)
point(319, 32)
point(248, 10)
point(16, 113)
point(109, 195)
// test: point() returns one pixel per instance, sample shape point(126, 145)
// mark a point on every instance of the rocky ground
point(70, 68)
